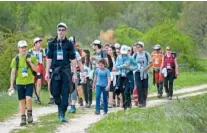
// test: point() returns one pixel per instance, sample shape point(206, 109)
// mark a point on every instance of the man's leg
point(105, 99)
point(140, 91)
point(29, 92)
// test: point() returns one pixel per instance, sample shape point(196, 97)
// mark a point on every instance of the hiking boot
point(169, 98)
point(23, 120)
point(73, 109)
point(62, 118)
point(29, 116)
point(81, 101)
point(159, 95)
point(114, 104)
point(141, 105)
point(52, 101)
point(87, 106)
point(97, 113)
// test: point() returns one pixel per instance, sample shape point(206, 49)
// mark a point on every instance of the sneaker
point(159, 95)
point(29, 116)
point(105, 113)
point(110, 106)
point(52, 101)
point(169, 98)
point(73, 109)
point(87, 106)
point(97, 113)
point(62, 118)
point(23, 120)
point(81, 101)
point(114, 104)
point(141, 105)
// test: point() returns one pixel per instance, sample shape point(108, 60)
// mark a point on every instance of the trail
point(80, 123)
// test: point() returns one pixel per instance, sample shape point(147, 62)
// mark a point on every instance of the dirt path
point(80, 123)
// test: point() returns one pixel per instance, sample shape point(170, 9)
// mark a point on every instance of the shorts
point(25, 90)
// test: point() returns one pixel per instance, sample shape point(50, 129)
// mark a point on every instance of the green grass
point(181, 116)
point(9, 105)
point(45, 124)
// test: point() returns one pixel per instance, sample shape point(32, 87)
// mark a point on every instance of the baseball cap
point(62, 25)
point(117, 45)
point(124, 49)
point(97, 42)
point(157, 46)
point(141, 44)
point(168, 47)
point(37, 39)
point(22, 43)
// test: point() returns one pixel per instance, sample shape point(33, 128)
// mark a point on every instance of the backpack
point(135, 56)
point(28, 66)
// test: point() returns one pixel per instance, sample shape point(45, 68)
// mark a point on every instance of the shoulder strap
point(17, 62)
point(146, 55)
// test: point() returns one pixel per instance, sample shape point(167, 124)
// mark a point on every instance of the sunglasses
point(167, 49)
point(61, 29)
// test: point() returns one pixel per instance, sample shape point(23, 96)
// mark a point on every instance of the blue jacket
point(122, 60)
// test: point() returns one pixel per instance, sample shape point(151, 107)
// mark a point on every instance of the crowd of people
point(116, 72)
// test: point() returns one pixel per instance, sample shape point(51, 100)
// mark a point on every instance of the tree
point(127, 35)
point(193, 21)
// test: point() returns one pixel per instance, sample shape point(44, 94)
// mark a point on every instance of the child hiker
point(102, 81)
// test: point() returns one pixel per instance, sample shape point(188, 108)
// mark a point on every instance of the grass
point(46, 124)
point(9, 104)
point(180, 116)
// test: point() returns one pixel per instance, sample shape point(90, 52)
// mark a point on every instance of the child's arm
point(109, 81)
point(94, 81)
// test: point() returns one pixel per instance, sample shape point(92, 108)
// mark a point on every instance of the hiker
point(112, 94)
point(60, 52)
point(125, 84)
point(171, 66)
point(101, 83)
point(157, 57)
point(117, 47)
point(39, 53)
point(79, 68)
point(133, 49)
point(23, 66)
point(106, 47)
point(99, 54)
point(144, 62)
point(87, 84)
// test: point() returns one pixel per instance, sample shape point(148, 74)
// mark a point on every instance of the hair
point(107, 45)
point(87, 58)
point(114, 51)
point(98, 45)
point(103, 61)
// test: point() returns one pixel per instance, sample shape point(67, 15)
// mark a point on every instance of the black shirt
point(68, 52)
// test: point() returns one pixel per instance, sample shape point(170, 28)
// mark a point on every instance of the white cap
point(71, 39)
point(37, 39)
point(97, 42)
point(117, 45)
point(22, 43)
point(157, 46)
point(141, 44)
point(62, 25)
point(124, 49)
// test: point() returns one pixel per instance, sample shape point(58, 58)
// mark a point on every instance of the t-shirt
point(100, 55)
point(102, 77)
point(39, 54)
point(142, 60)
point(77, 55)
point(20, 80)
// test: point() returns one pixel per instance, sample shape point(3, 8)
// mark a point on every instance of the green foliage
point(166, 34)
point(127, 35)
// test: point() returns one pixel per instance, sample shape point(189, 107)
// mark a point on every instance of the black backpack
point(28, 66)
